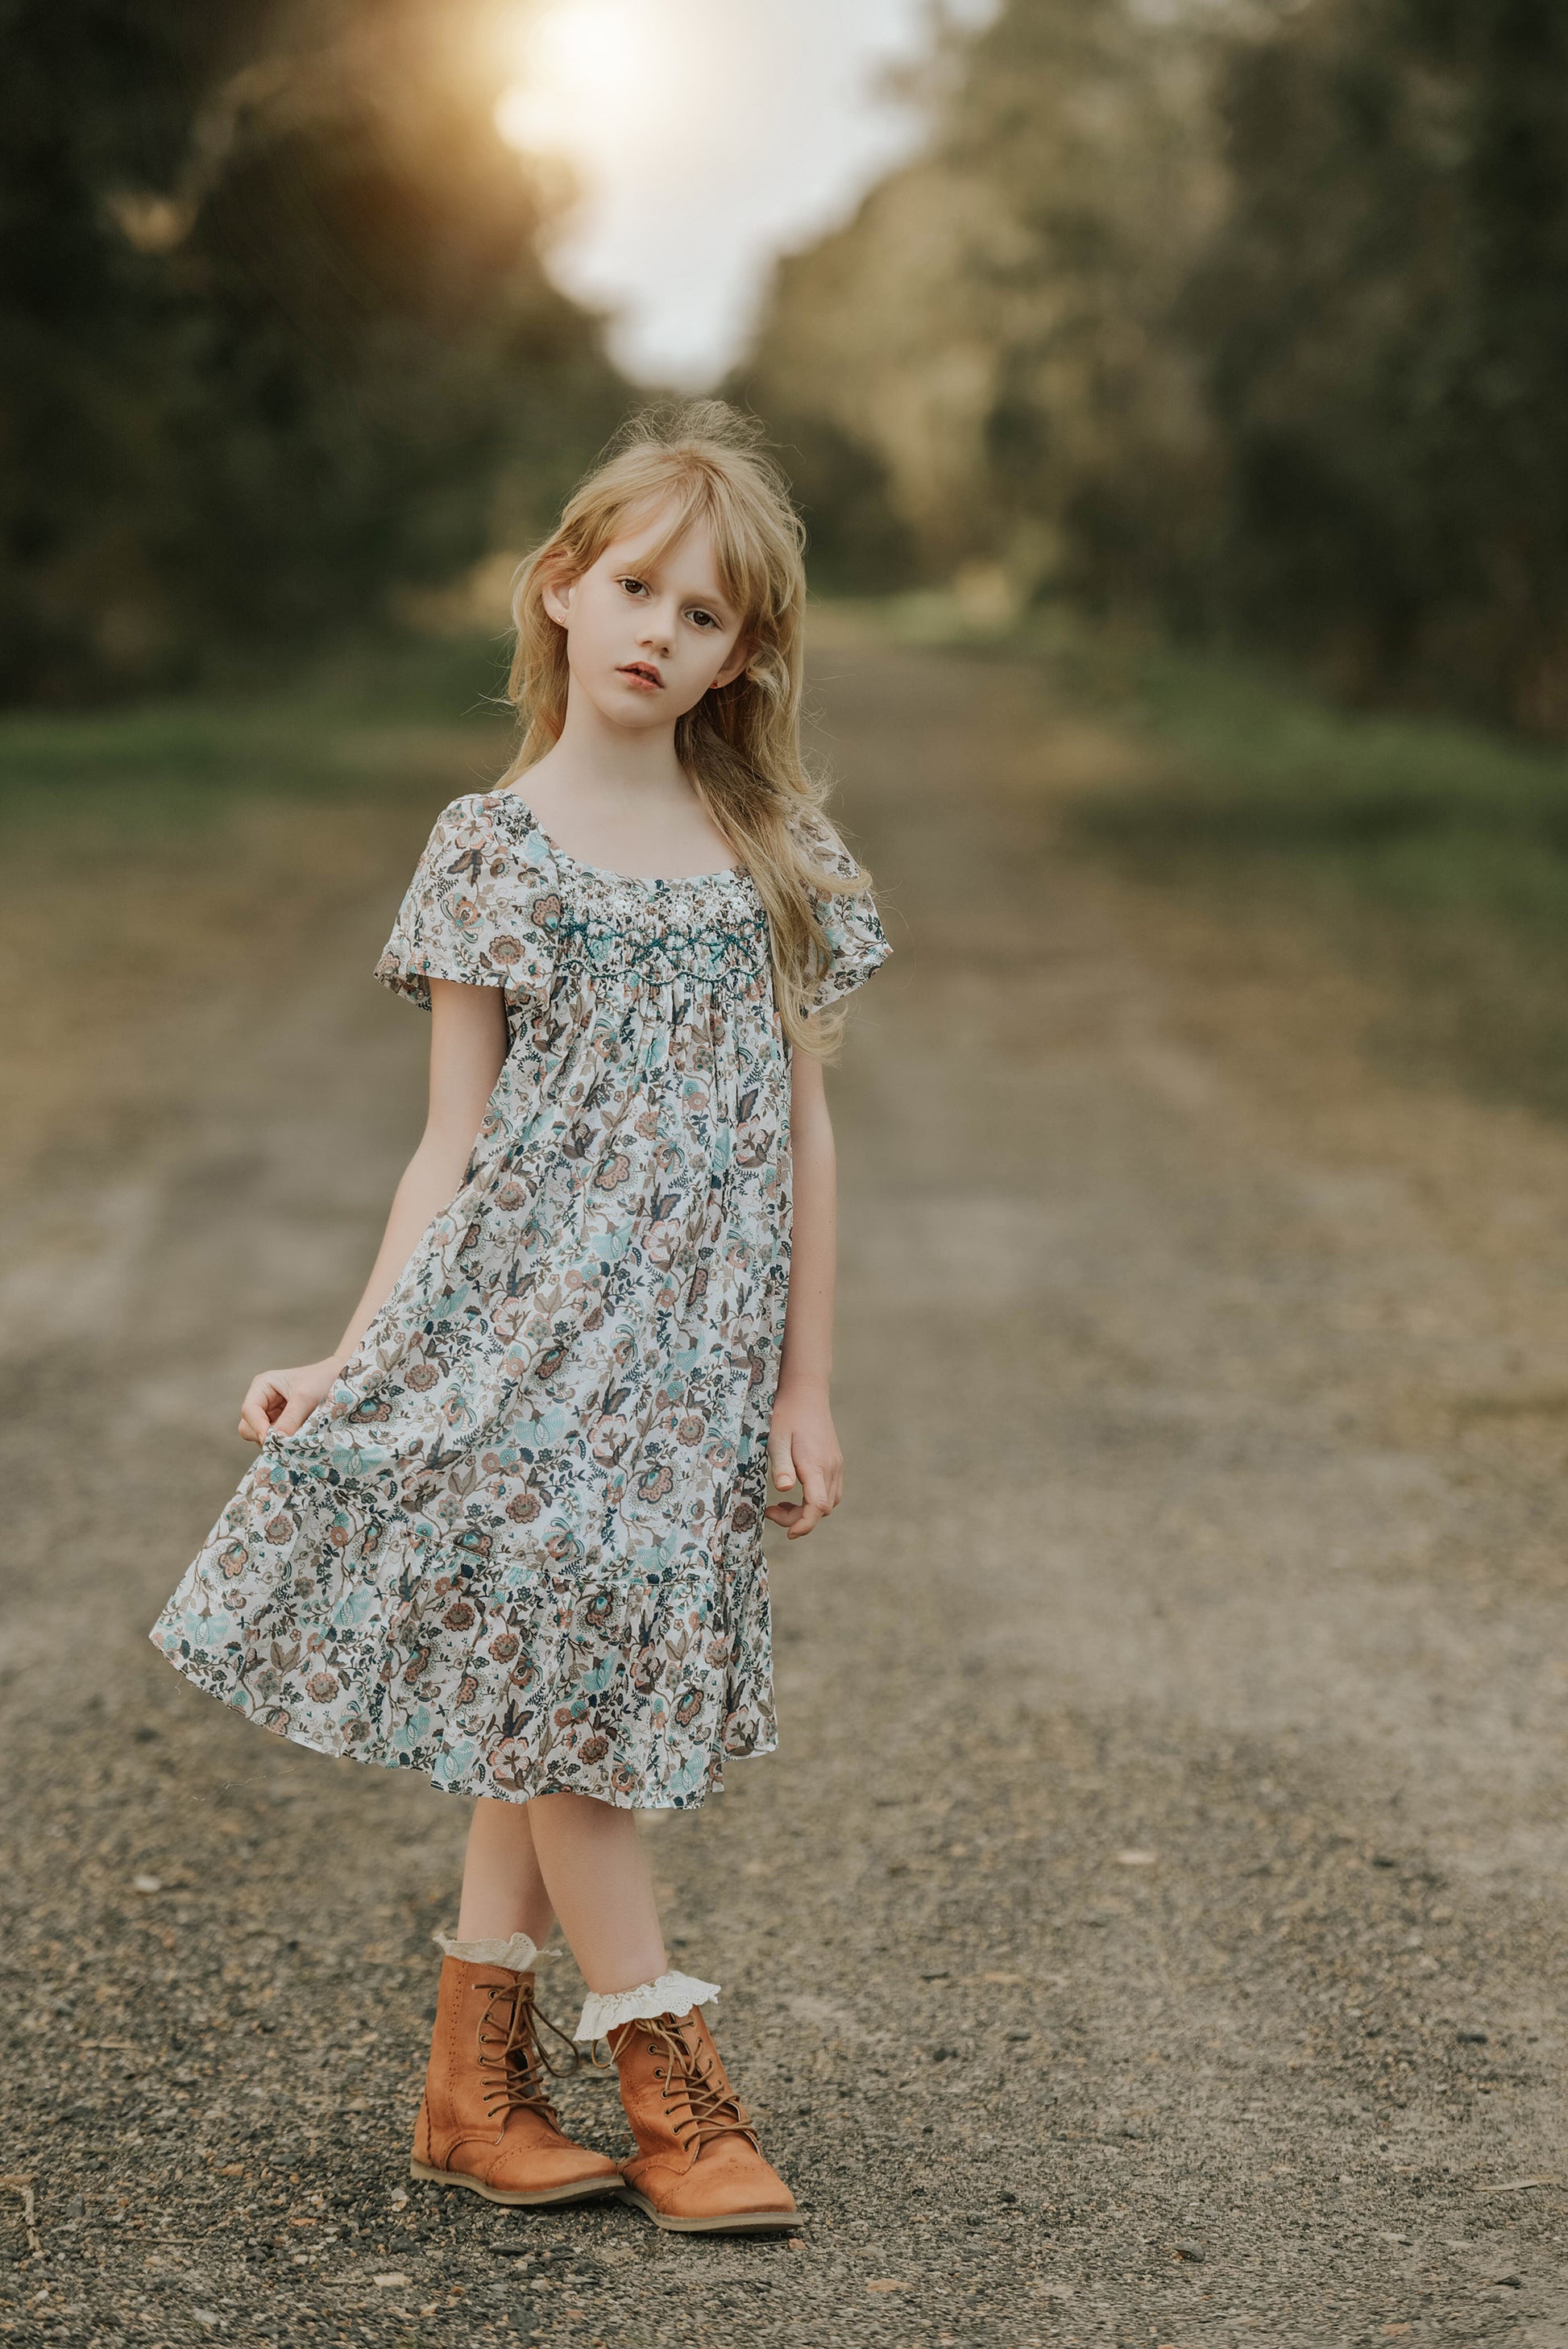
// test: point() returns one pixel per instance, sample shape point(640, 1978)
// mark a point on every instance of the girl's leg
point(486, 2120)
point(697, 2169)
point(590, 1857)
point(503, 1889)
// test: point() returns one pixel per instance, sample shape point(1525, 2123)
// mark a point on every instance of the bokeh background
point(1150, 1931)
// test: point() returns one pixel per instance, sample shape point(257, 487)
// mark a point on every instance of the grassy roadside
point(152, 856)
point(363, 724)
point(1433, 855)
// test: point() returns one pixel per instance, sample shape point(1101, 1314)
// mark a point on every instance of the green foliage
point(1256, 318)
point(1385, 314)
point(274, 329)
point(990, 333)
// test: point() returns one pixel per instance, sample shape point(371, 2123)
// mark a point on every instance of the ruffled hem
point(463, 1769)
point(518, 1953)
point(605, 2010)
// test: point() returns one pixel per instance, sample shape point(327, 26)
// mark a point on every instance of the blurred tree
point(991, 335)
point(1252, 311)
point(273, 326)
point(1385, 312)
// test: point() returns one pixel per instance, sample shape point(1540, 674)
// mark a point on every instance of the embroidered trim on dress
point(518, 1951)
point(605, 2010)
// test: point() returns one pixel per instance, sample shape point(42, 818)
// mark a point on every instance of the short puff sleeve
point(855, 940)
point(470, 913)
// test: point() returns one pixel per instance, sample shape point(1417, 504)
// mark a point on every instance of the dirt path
point(1150, 1930)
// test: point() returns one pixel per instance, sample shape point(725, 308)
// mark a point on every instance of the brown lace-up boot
point(487, 2121)
point(699, 2169)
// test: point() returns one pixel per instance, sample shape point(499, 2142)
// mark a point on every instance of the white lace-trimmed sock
point(605, 2010)
point(517, 1952)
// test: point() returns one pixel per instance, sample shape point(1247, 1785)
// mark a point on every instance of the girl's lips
point(641, 673)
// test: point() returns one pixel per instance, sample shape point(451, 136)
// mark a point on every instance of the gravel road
point(1150, 1931)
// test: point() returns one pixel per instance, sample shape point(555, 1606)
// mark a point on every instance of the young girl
point(509, 1533)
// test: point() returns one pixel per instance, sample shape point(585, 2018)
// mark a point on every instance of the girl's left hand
point(804, 1457)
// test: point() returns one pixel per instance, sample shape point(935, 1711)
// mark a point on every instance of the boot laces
point(712, 2110)
point(512, 2057)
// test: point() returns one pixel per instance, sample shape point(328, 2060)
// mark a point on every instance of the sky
point(707, 136)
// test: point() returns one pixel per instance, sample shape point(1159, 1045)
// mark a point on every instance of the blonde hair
point(741, 742)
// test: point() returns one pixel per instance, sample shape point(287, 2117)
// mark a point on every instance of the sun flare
point(597, 75)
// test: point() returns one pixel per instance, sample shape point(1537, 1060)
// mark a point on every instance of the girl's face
point(646, 639)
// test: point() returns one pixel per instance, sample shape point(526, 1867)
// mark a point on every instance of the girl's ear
point(741, 653)
point(555, 595)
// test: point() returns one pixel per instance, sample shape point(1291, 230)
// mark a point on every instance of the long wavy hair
point(704, 461)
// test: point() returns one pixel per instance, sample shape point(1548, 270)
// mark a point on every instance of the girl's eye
point(632, 586)
point(703, 619)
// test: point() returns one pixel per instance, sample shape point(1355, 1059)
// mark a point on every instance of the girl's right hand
point(277, 1403)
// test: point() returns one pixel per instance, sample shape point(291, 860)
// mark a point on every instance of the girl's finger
point(294, 1413)
point(783, 1467)
point(807, 1516)
point(814, 1486)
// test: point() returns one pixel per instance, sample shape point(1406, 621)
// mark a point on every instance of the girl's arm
point(468, 1045)
point(801, 1443)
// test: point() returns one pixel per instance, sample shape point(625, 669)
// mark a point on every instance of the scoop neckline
point(604, 871)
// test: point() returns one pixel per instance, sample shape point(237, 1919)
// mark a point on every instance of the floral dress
point(519, 1546)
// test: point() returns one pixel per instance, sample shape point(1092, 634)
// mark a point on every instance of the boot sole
point(729, 2222)
point(577, 2191)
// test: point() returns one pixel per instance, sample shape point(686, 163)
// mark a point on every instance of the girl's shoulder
point(496, 821)
point(821, 843)
point(477, 810)
point(482, 906)
point(834, 866)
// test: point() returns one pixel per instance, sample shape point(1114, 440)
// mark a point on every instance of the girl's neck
point(620, 798)
point(595, 760)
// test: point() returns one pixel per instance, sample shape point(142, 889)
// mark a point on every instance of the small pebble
point(1192, 2252)
point(1470, 2038)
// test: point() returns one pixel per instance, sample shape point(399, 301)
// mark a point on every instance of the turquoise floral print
point(519, 1548)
